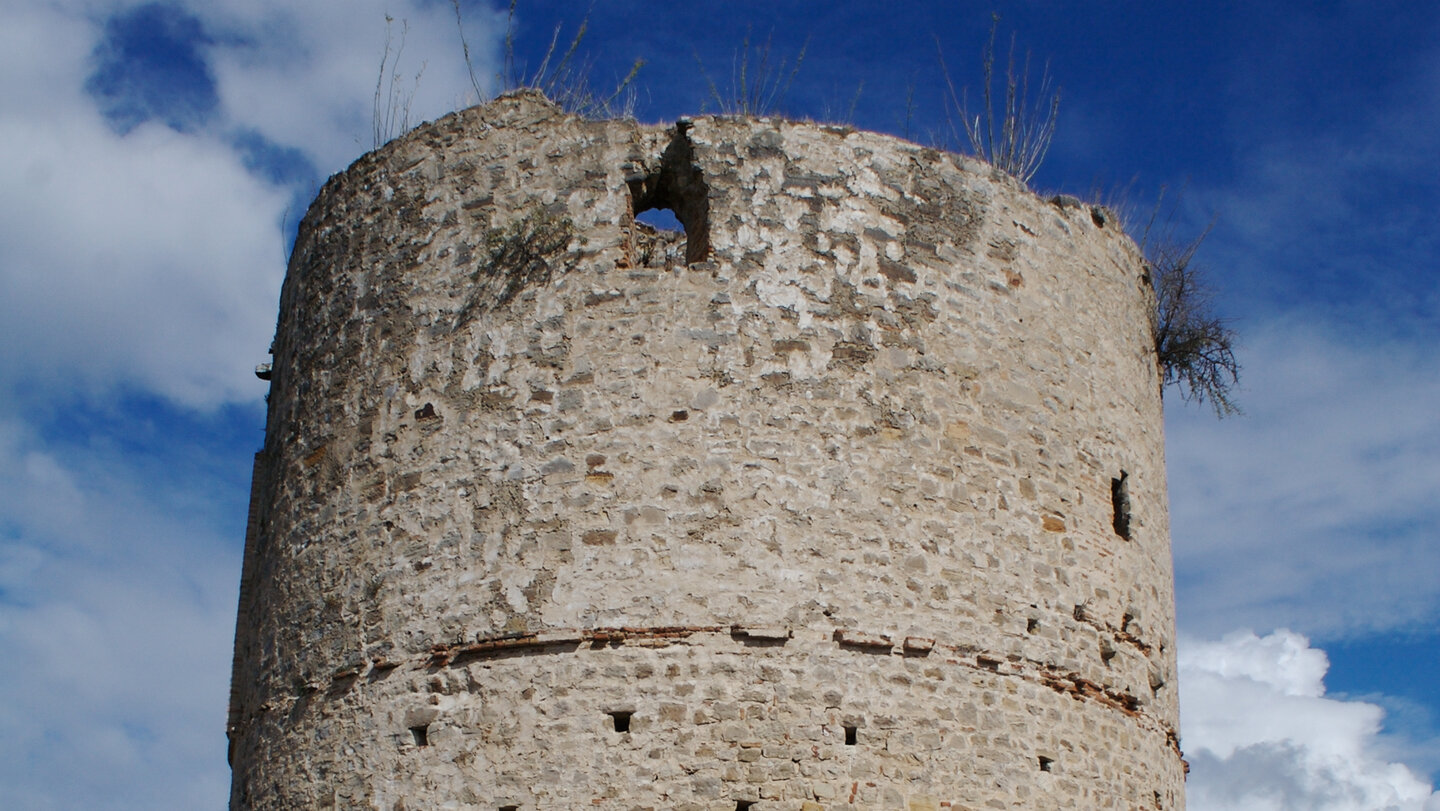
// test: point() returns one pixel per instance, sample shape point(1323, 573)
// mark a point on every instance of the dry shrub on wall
point(524, 252)
point(1194, 347)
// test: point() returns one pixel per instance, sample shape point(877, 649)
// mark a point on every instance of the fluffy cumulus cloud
point(148, 259)
point(1261, 735)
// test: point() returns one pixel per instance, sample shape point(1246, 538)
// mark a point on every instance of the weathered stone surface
point(810, 507)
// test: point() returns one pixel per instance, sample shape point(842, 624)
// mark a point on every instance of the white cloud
point(116, 615)
point(1324, 487)
point(1260, 734)
point(305, 73)
point(151, 261)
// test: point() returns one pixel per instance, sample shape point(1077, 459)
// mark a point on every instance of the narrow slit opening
point(421, 735)
point(850, 735)
point(509, 808)
point(1120, 502)
point(621, 719)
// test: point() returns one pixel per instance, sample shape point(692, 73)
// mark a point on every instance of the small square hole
point(621, 718)
point(850, 733)
point(1045, 763)
point(421, 735)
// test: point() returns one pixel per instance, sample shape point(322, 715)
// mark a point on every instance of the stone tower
point(851, 495)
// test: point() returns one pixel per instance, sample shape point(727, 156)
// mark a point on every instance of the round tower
point(850, 495)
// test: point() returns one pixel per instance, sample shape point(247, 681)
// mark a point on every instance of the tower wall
point(850, 496)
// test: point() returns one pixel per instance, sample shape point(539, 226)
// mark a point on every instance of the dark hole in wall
point(1120, 501)
point(509, 808)
point(421, 735)
point(1032, 625)
point(679, 188)
point(743, 805)
point(1045, 763)
point(621, 718)
point(850, 735)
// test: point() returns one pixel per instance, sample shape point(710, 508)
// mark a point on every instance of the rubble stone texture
point(851, 495)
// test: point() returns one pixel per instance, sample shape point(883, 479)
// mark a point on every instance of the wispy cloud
point(1325, 249)
point(1335, 219)
point(1313, 509)
point(116, 610)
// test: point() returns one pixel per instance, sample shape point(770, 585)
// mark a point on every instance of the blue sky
point(159, 156)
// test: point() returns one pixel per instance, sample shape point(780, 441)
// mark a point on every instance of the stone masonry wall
point(850, 496)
